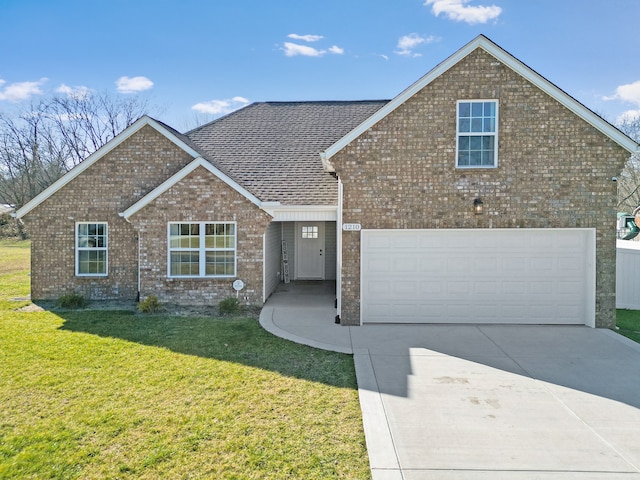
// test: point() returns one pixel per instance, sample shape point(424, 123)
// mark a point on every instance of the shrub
point(72, 300)
point(151, 304)
point(229, 306)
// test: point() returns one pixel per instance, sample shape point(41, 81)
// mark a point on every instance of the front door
point(310, 250)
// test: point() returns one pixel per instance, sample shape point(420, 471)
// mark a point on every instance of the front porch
point(310, 249)
point(309, 293)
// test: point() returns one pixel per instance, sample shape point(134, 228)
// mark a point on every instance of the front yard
point(628, 322)
point(116, 394)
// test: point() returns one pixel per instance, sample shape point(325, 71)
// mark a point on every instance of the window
point(310, 231)
point(477, 134)
point(202, 249)
point(91, 249)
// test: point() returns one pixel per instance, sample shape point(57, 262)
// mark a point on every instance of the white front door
point(310, 250)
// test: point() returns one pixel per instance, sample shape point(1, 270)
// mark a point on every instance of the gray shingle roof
point(272, 148)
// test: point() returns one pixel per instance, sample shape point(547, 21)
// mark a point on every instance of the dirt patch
point(251, 311)
point(32, 307)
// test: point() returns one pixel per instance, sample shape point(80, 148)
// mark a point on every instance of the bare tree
point(629, 179)
point(30, 159)
point(46, 139)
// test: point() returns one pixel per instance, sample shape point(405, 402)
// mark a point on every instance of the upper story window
point(91, 249)
point(477, 132)
point(202, 249)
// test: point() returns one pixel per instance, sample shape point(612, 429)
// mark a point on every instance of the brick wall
point(200, 197)
point(554, 171)
point(108, 187)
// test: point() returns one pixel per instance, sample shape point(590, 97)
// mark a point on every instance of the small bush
point(229, 306)
point(151, 304)
point(72, 300)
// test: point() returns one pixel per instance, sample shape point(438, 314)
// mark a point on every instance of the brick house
point(481, 193)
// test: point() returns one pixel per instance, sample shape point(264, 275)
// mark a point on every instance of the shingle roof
point(272, 148)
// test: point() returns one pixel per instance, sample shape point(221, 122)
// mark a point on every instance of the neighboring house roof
point(510, 61)
point(272, 148)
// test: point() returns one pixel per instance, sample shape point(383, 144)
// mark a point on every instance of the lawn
point(118, 394)
point(628, 322)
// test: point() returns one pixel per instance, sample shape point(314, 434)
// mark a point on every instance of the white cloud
point(627, 93)
point(240, 100)
point(17, 92)
point(293, 49)
point(220, 107)
point(407, 43)
point(133, 84)
point(628, 116)
point(305, 38)
point(459, 11)
point(74, 92)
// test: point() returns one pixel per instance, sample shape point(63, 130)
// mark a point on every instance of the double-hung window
point(477, 134)
point(202, 249)
point(91, 249)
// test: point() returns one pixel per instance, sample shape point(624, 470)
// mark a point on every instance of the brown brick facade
point(200, 197)
point(554, 171)
point(109, 186)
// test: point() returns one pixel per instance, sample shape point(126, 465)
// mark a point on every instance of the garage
point(506, 276)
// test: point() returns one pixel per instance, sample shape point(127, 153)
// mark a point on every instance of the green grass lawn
point(628, 322)
point(115, 394)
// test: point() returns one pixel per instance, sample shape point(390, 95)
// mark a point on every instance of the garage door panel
point(459, 265)
point(403, 264)
point(431, 265)
point(487, 288)
point(488, 276)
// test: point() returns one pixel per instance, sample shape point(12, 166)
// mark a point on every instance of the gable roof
point(181, 141)
point(507, 59)
point(271, 148)
point(170, 182)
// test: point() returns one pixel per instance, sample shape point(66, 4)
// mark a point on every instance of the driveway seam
point(383, 455)
point(589, 427)
point(544, 386)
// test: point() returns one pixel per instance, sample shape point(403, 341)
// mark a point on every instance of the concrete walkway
point(481, 402)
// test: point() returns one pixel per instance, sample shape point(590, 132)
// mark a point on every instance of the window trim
point(78, 249)
point(494, 134)
point(202, 249)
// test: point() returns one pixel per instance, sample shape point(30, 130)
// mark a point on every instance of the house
point(481, 193)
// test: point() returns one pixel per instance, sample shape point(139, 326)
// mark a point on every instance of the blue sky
point(205, 58)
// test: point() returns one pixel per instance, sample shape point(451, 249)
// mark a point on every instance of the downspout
point(264, 267)
point(138, 237)
point(339, 254)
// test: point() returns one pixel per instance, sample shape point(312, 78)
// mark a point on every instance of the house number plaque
point(351, 227)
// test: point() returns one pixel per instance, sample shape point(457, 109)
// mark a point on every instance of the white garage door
point(522, 276)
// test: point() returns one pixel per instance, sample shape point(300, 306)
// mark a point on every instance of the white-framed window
point(477, 134)
point(202, 249)
point(91, 249)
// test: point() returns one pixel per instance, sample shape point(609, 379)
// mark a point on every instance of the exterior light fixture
point(478, 206)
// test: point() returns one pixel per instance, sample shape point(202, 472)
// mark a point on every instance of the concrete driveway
point(484, 402)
